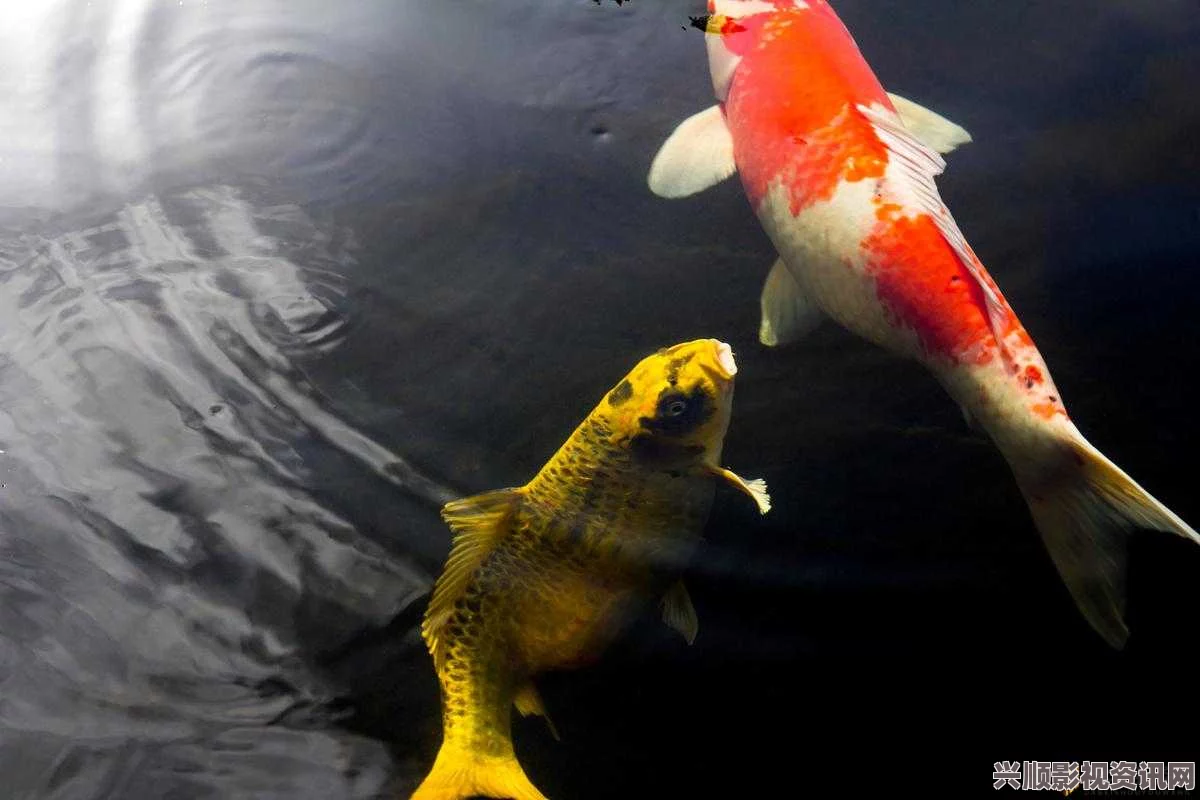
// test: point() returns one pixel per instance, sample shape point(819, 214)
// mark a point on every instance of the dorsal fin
point(919, 165)
point(934, 130)
point(478, 522)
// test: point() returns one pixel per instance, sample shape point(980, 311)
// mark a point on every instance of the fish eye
point(674, 407)
point(677, 414)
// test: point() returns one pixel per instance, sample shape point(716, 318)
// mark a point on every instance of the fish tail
point(1085, 507)
point(459, 773)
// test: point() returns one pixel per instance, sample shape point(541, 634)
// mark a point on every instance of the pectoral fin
point(756, 489)
point(529, 702)
point(478, 522)
point(934, 130)
point(969, 418)
point(699, 154)
point(788, 313)
point(679, 613)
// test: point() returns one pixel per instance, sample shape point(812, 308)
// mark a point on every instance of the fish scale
point(543, 576)
point(841, 175)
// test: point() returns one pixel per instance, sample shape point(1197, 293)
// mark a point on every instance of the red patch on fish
point(725, 25)
point(1048, 410)
point(888, 212)
point(793, 109)
point(792, 106)
point(924, 285)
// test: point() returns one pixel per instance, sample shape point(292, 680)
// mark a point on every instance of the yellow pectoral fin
point(528, 702)
point(757, 488)
point(679, 613)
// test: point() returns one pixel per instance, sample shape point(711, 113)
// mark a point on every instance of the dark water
point(278, 279)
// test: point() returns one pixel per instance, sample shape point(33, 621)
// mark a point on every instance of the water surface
point(279, 279)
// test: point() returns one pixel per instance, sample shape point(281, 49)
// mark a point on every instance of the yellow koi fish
point(543, 576)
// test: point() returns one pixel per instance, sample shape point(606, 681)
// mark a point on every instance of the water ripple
point(164, 551)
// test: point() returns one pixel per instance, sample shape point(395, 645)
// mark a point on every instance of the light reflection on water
point(165, 554)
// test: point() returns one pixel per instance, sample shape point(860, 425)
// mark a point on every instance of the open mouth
point(725, 358)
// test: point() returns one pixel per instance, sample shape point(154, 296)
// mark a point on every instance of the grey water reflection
point(164, 548)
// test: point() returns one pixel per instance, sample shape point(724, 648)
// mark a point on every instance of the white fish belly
point(822, 247)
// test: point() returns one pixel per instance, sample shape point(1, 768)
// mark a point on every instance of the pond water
point(278, 280)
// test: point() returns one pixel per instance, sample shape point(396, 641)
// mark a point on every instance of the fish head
point(674, 406)
point(733, 27)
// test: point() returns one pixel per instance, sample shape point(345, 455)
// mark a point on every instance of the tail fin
point(458, 774)
point(1084, 510)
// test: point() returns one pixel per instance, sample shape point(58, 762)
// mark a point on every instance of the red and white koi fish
point(841, 175)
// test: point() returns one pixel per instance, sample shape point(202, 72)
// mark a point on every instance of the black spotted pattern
point(621, 394)
point(697, 409)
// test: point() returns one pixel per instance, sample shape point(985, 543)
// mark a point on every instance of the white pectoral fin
point(933, 129)
point(699, 154)
point(788, 314)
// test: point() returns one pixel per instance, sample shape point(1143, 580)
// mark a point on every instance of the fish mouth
point(725, 359)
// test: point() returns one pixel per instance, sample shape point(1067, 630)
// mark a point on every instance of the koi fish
point(841, 176)
point(542, 576)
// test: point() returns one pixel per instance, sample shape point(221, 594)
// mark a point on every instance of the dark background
point(278, 279)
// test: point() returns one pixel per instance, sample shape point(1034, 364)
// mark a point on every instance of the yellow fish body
point(543, 576)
